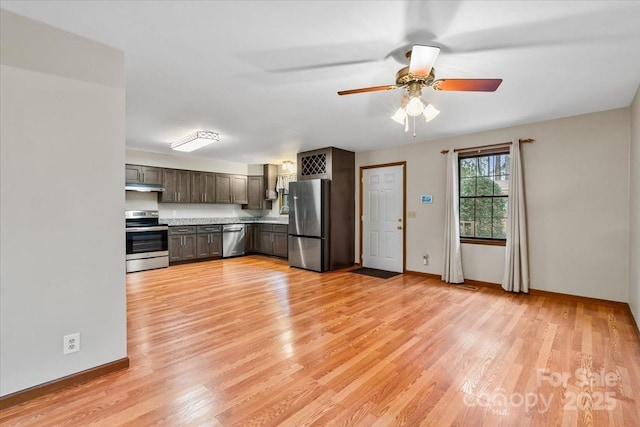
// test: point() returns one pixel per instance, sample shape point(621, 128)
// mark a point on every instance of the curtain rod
point(484, 147)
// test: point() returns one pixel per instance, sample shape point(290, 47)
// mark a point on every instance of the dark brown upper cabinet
point(177, 186)
point(256, 194)
point(203, 187)
point(138, 174)
point(231, 189)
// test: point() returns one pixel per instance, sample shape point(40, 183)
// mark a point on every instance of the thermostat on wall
point(426, 198)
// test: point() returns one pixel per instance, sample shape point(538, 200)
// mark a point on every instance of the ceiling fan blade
point(469, 85)
point(321, 66)
point(368, 89)
point(422, 60)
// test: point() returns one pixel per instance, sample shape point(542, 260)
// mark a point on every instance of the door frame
point(404, 207)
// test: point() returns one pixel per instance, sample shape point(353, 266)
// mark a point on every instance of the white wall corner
point(62, 154)
point(634, 210)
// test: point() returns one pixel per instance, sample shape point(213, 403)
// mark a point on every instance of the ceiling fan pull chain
point(414, 127)
point(406, 123)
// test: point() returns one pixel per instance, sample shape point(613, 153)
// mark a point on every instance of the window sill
point(489, 242)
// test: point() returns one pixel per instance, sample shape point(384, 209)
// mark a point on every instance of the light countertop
point(229, 220)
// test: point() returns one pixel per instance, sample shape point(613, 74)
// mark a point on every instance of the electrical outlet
point(71, 343)
point(425, 259)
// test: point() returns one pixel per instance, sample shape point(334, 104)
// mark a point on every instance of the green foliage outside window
point(484, 188)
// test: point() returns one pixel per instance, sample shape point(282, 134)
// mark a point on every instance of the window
point(283, 201)
point(282, 187)
point(484, 197)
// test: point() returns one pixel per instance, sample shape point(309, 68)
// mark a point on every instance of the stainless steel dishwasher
point(233, 240)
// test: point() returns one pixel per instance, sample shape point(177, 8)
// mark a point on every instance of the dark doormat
point(380, 274)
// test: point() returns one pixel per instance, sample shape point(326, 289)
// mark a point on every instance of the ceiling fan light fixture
point(415, 106)
point(399, 116)
point(430, 113)
point(195, 141)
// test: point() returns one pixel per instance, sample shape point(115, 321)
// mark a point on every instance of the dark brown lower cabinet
point(272, 240)
point(209, 245)
point(182, 247)
point(191, 242)
point(265, 245)
point(250, 238)
point(194, 242)
point(280, 245)
point(209, 241)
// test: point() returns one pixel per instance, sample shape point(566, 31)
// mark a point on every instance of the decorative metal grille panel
point(314, 165)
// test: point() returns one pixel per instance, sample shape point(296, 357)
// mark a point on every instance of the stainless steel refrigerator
point(309, 224)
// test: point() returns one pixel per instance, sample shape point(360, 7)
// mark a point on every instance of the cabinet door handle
point(143, 177)
point(205, 197)
point(175, 196)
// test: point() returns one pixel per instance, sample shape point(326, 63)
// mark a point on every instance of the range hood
point(144, 188)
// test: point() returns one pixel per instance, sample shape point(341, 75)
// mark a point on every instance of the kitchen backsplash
point(178, 210)
point(135, 200)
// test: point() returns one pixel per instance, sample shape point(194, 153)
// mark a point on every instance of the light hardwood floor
point(250, 341)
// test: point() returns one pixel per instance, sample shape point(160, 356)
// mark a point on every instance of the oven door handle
point(144, 229)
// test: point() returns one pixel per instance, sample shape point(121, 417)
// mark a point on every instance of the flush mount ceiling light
point(195, 140)
point(288, 165)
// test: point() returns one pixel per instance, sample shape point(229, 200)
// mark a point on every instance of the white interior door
point(382, 213)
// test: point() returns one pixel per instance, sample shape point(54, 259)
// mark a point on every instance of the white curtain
point(516, 265)
point(282, 182)
point(452, 266)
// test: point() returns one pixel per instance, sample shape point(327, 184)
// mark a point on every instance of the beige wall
point(63, 246)
point(577, 189)
point(634, 211)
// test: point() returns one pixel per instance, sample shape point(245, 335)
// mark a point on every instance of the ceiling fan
point(420, 73)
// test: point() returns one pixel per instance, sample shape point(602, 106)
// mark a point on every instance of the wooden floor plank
point(250, 341)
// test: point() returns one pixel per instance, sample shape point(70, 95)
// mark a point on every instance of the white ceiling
point(264, 74)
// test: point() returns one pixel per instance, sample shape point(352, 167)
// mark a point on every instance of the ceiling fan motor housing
point(404, 78)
